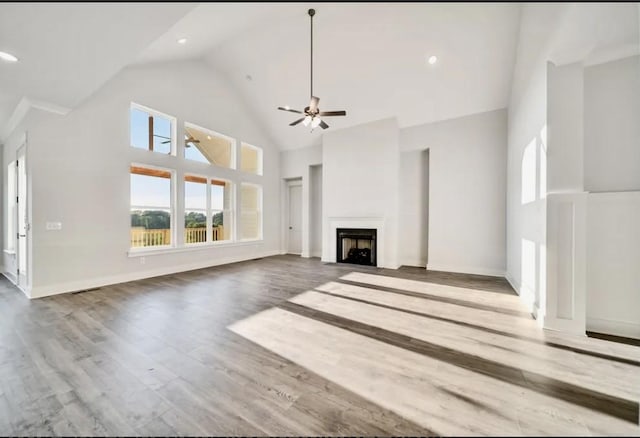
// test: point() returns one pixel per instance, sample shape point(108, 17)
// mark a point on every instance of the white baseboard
point(316, 254)
point(13, 279)
point(514, 284)
point(611, 327)
point(73, 286)
point(414, 263)
point(465, 270)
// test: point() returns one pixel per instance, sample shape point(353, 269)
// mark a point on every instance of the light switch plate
point(54, 226)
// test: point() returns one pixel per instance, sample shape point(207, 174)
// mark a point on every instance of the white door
point(22, 221)
point(295, 219)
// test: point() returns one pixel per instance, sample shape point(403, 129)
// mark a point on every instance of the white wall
point(613, 261)
point(561, 34)
point(414, 208)
point(294, 163)
point(298, 163)
point(467, 191)
point(80, 177)
point(612, 126)
point(360, 167)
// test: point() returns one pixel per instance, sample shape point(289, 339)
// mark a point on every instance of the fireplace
point(356, 245)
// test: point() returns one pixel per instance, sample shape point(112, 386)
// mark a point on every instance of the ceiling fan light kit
point(312, 114)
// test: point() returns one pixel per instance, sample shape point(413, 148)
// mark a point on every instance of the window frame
point(206, 208)
point(232, 212)
point(179, 168)
point(172, 209)
point(174, 130)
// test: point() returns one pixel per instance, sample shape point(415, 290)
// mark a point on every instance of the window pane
point(150, 207)
point(195, 227)
point(250, 214)
point(208, 147)
point(195, 195)
point(251, 159)
point(150, 228)
point(141, 122)
point(150, 191)
point(221, 225)
point(220, 195)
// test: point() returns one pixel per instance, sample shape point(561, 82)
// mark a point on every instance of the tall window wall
point(206, 176)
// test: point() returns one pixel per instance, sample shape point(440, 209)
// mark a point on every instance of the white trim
point(10, 251)
point(465, 270)
point(73, 286)
point(148, 251)
point(611, 327)
point(414, 263)
point(21, 110)
point(173, 121)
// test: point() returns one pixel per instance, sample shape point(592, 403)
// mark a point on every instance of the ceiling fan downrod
point(311, 12)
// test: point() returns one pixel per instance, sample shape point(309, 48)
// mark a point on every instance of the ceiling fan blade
point(332, 113)
point(323, 125)
point(313, 105)
point(296, 122)
point(290, 110)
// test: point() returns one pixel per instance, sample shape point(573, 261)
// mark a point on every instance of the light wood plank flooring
point(291, 346)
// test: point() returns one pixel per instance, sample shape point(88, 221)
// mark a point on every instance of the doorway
point(22, 219)
point(294, 217)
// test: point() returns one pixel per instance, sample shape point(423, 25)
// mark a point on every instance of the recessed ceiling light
point(287, 107)
point(8, 57)
point(208, 137)
point(433, 59)
point(182, 40)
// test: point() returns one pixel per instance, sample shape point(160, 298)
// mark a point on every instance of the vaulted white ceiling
point(68, 50)
point(369, 59)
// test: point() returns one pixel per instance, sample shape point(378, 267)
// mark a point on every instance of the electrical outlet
point(143, 260)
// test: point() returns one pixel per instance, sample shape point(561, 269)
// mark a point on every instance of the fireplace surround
point(356, 246)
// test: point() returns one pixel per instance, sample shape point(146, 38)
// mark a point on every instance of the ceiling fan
point(312, 114)
point(187, 139)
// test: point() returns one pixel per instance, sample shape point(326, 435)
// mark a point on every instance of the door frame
point(23, 149)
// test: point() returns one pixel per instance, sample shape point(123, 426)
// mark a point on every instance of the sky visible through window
point(140, 131)
point(155, 192)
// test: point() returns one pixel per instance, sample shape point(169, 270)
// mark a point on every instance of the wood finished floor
point(291, 346)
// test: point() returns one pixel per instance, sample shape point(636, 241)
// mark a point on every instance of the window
point(251, 159)
point(151, 207)
point(11, 207)
point(250, 211)
point(221, 209)
point(151, 130)
point(198, 214)
point(209, 147)
point(195, 209)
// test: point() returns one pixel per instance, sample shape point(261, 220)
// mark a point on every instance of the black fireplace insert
point(356, 246)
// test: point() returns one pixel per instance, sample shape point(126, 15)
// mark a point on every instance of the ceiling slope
point(68, 50)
